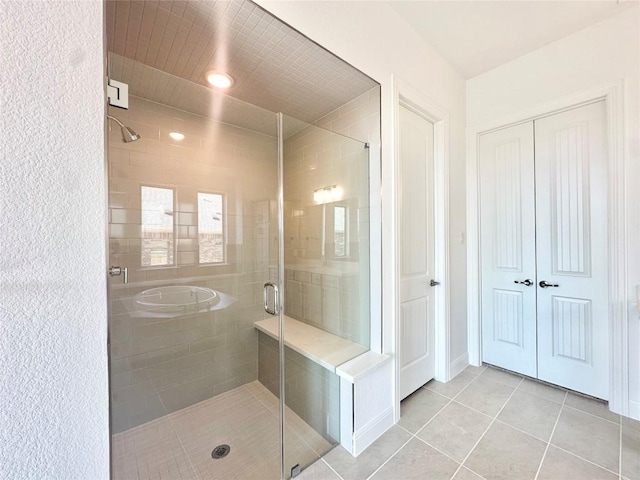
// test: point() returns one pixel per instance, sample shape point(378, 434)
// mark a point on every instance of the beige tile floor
point(178, 446)
point(490, 424)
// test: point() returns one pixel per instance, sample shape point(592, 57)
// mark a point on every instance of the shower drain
point(220, 451)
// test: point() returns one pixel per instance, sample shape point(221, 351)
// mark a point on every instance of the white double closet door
point(544, 249)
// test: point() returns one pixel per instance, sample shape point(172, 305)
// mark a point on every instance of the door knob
point(433, 283)
point(544, 284)
point(528, 282)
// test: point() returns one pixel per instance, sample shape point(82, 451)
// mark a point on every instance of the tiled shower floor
point(179, 445)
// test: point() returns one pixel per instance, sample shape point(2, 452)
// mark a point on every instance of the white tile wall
point(161, 365)
point(318, 157)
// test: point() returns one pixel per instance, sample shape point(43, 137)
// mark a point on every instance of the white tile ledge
point(322, 347)
point(362, 365)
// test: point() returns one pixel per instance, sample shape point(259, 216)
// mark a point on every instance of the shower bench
point(366, 401)
point(321, 347)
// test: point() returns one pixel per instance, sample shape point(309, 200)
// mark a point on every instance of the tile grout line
point(472, 409)
point(413, 435)
point(572, 453)
point(561, 404)
point(330, 468)
point(184, 450)
point(584, 459)
point(593, 415)
point(391, 456)
point(453, 400)
point(494, 420)
point(555, 425)
point(548, 399)
point(446, 455)
point(472, 471)
point(620, 453)
point(488, 427)
point(501, 422)
point(436, 448)
point(450, 401)
point(196, 473)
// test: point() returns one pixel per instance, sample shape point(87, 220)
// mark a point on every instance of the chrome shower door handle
point(117, 271)
point(270, 286)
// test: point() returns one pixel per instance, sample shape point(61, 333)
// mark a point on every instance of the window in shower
point(211, 228)
point(340, 231)
point(157, 226)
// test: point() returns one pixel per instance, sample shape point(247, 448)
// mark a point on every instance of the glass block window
point(157, 226)
point(211, 223)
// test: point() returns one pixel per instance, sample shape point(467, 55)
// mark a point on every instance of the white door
point(416, 249)
point(507, 246)
point(544, 222)
point(571, 205)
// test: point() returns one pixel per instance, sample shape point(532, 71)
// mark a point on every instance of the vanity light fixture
point(219, 79)
point(327, 194)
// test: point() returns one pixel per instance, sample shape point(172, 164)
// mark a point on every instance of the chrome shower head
point(128, 134)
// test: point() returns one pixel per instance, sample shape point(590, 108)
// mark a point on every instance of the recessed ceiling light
point(219, 79)
point(177, 135)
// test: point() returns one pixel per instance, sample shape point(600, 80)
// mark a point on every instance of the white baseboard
point(458, 365)
point(372, 431)
point(634, 410)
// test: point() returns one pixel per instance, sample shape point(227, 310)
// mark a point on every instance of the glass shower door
point(326, 317)
point(193, 217)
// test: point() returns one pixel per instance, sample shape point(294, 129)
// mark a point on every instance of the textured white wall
point(53, 329)
point(595, 57)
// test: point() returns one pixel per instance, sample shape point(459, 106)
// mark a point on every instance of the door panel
point(416, 252)
point(571, 205)
point(507, 239)
point(507, 317)
point(415, 337)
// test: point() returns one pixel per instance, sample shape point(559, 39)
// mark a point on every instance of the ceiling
point(273, 66)
point(476, 36)
point(160, 87)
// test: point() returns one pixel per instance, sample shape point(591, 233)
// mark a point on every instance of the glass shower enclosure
point(201, 225)
point(238, 257)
